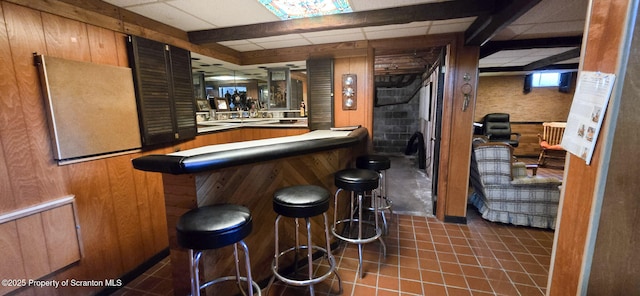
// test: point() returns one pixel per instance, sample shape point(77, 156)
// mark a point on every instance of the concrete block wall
point(394, 123)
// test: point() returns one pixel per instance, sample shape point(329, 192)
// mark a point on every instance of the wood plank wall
point(457, 131)
point(121, 210)
point(614, 268)
point(503, 94)
point(581, 180)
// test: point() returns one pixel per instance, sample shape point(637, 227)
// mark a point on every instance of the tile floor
point(424, 257)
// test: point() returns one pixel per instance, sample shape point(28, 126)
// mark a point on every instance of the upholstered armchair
point(503, 191)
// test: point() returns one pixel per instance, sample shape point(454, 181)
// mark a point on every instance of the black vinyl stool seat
point(214, 227)
point(380, 164)
point(358, 181)
point(303, 201)
point(373, 162)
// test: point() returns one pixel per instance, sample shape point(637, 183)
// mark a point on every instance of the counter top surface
point(218, 125)
point(225, 155)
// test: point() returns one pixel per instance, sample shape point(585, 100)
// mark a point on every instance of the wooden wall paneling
point(90, 183)
point(341, 117)
point(33, 246)
point(363, 115)
point(7, 201)
point(176, 205)
point(614, 268)
point(157, 207)
point(445, 136)
point(26, 36)
point(61, 236)
point(12, 263)
point(102, 17)
point(102, 46)
point(13, 134)
point(581, 180)
point(466, 63)
point(143, 206)
point(127, 214)
point(529, 144)
point(65, 38)
point(121, 49)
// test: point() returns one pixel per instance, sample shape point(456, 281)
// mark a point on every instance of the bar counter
point(248, 173)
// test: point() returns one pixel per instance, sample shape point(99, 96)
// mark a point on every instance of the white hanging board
point(91, 108)
point(586, 114)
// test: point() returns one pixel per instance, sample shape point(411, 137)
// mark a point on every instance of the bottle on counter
point(303, 109)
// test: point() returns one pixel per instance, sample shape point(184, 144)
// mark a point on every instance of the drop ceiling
point(546, 21)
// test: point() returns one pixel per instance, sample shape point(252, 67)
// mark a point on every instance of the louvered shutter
point(320, 93)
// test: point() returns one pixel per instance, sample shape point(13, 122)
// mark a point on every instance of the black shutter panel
point(183, 98)
point(164, 91)
point(320, 93)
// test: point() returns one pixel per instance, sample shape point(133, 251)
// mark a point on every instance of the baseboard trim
point(136, 272)
point(455, 219)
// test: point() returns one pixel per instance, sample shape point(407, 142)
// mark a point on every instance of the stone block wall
point(395, 121)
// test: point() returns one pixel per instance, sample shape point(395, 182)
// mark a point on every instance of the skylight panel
point(292, 9)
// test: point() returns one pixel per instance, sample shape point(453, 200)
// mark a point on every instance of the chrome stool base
point(311, 278)
point(196, 287)
point(362, 237)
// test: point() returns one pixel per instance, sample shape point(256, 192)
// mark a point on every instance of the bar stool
point(214, 227)
point(303, 201)
point(379, 164)
point(358, 181)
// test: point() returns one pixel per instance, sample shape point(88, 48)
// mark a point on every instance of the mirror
point(244, 86)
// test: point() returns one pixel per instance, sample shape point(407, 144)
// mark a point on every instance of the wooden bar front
point(251, 185)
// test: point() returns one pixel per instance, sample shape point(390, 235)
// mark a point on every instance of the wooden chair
point(550, 142)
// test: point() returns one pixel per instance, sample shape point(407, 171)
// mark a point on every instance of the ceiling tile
point(171, 16)
point(283, 43)
point(245, 47)
point(128, 3)
point(554, 11)
point(553, 29)
point(511, 32)
point(397, 26)
point(449, 28)
point(361, 5)
point(228, 13)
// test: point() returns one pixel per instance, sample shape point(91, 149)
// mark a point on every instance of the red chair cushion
point(546, 145)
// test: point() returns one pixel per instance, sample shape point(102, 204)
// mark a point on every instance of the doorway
point(404, 122)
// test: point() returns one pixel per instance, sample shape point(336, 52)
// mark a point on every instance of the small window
point(545, 79)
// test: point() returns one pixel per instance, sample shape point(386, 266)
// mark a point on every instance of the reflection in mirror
point(245, 87)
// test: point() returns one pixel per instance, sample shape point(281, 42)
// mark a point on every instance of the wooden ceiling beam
point(492, 47)
point(567, 55)
point(397, 15)
point(573, 66)
point(485, 27)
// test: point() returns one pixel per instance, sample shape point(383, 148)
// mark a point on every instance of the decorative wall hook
point(466, 91)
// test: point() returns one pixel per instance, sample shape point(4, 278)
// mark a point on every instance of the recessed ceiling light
point(288, 9)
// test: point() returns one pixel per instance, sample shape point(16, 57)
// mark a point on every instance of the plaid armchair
point(505, 193)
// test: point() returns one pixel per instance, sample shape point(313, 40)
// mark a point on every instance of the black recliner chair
point(497, 128)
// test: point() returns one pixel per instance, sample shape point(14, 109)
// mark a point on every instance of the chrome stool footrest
point(306, 282)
